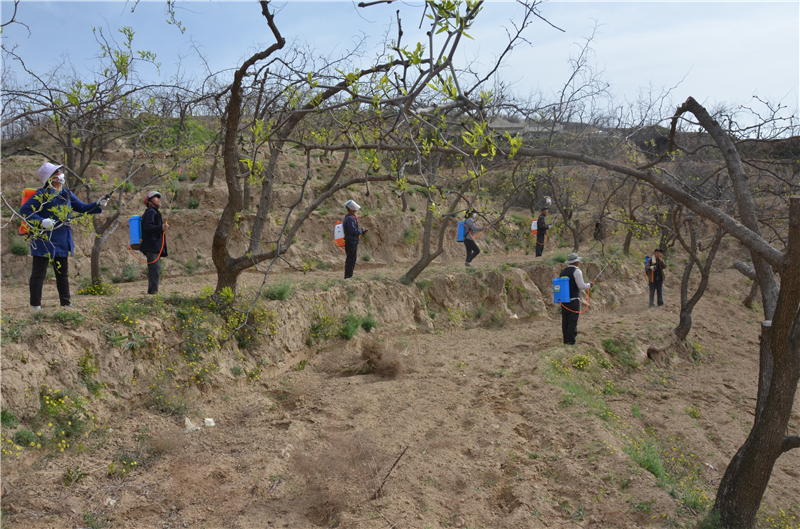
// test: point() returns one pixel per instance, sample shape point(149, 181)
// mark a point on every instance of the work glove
point(48, 224)
point(103, 202)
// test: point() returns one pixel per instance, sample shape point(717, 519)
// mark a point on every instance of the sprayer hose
point(163, 239)
point(575, 311)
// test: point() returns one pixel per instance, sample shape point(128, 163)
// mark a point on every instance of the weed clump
point(8, 419)
point(69, 318)
point(279, 291)
point(97, 288)
point(350, 325)
point(621, 348)
point(18, 246)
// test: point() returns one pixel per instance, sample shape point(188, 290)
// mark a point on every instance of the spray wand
point(606, 266)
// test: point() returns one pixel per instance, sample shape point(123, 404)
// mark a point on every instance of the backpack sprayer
point(135, 228)
point(561, 292)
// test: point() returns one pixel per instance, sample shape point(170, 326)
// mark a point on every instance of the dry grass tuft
point(346, 472)
point(380, 361)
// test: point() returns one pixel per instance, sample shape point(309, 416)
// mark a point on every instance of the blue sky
point(714, 51)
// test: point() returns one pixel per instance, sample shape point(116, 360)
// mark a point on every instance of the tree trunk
point(576, 236)
point(749, 272)
point(746, 478)
point(94, 267)
point(246, 191)
point(687, 305)
point(217, 145)
point(626, 246)
point(227, 279)
point(227, 274)
point(428, 257)
point(748, 301)
point(414, 272)
point(102, 232)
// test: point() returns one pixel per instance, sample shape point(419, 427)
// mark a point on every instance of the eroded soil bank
point(459, 409)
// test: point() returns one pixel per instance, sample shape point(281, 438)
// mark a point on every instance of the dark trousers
point(569, 321)
point(39, 272)
point(539, 246)
point(655, 286)
point(472, 249)
point(351, 249)
point(153, 272)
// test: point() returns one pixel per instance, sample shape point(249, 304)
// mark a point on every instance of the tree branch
point(790, 442)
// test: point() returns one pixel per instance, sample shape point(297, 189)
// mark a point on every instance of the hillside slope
point(484, 415)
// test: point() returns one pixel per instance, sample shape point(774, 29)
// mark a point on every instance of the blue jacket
point(44, 205)
point(351, 230)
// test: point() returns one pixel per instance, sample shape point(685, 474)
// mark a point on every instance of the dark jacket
point(541, 228)
point(48, 203)
point(351, 230)
point(656, 274)
point(152, 232)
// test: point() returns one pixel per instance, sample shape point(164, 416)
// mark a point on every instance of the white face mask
point(474, 215)
point(60, 178)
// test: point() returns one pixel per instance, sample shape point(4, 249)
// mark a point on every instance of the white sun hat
point(46, 171)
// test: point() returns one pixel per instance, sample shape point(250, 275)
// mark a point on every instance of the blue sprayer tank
point(561, 290)
point(135, 226)
point(462, 231)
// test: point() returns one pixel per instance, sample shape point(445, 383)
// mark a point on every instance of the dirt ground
point(468, 426)
point(460, 409)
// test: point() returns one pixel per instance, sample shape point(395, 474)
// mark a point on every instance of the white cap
point(352, 205)
point(46, 171)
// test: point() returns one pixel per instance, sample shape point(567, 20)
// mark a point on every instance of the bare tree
point(377, 110)
point(746, 477)
point(692, 248)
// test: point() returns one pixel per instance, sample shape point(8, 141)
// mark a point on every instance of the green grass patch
point(350, 325)
point(11, 330)
point(97, 288)
point(8, 419)
point(368, 323)
point(645, 453)
point(323, 326)
point(88, 369)
point(69, 317)
point(279, 291)
point(18, 246)
point(411, 235)
point(164, 400)
point(622, 350)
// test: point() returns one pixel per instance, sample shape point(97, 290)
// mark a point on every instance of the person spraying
point(541, 231)
point(655, 270)
point(352, 233)
point(470, 233)
point(50, 210)
point(570, 312)
point(154, 241)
